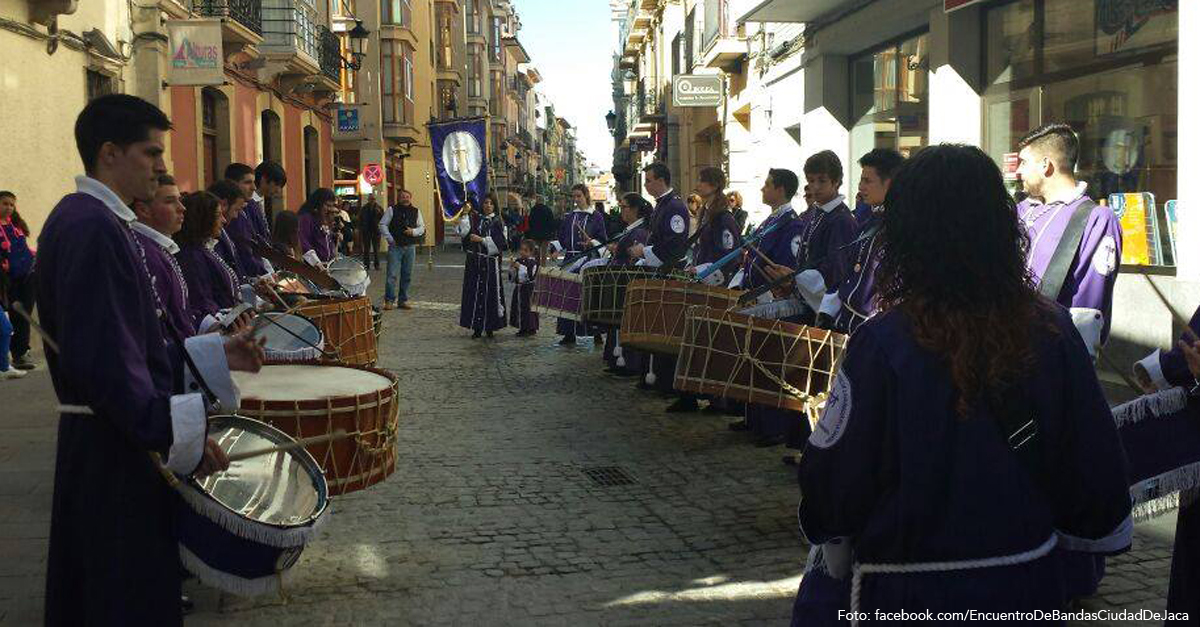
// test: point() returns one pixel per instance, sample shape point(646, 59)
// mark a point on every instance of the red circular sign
point(373, 173)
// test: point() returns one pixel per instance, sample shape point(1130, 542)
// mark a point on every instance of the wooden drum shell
point(656, 310)
point(558, 293)
point(348, 327)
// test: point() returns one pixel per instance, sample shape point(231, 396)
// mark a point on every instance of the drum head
point(284, 489)
point(303, 333)
point(348, 272)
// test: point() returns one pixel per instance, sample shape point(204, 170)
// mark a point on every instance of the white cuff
point(593, 243)
point(556, 246)
point(208, 353)
point(738, 279)
point(522, 274)
point(463, 228)
point(811, 285)
point(765, 297)
point(418, 231)
point(652, 260)
point(830, 305)
point(270, 269)
point(208, 324)
point(1118, 540)
point(491, 246)
point(189, 428)
point(312, 258)
point(716, 278)
point(1090, 323)
point(700, 268)
point(1153, 365)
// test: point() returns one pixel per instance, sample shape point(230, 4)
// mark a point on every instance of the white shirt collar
point(100, 191)
point(211, 244)
point(664, 194)
point(587, 210)
point(1080, 190)
point(256, 198)
point(784, 208)
point(165, 242)
point(833, 204)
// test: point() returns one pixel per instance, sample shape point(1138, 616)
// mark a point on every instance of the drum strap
point(1068, 246)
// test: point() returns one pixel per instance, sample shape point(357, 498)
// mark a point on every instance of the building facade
point(280, 70)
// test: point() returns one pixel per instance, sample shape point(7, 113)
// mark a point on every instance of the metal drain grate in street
point(609, 476)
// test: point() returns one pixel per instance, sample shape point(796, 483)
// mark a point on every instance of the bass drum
point(350, 274)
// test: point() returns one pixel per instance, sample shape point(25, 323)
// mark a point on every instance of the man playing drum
point(118, 372)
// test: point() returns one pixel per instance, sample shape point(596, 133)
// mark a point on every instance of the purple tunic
point(720, 237)
point(211, 283)
point(895, 471)
point(668, 230)
point(622, 257)
point(228, 252)
point(521, 314)
point(823, 233)
point(776, 245)
point(571, 237)
point(1088, 288)
point(316, 237)
point(113, 557)
point(250, 226)
point(483, 287)
point(856, 293)
point(170, 284)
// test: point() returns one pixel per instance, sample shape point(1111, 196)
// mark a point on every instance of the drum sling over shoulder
point(1068, 246)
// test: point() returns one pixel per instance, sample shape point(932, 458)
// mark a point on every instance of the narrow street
point(491, 517)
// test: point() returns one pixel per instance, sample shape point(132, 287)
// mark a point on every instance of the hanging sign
point(196, 55)
point(697, 90)
point(373, 173)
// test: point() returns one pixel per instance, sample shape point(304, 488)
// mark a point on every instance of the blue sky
point(571, 43)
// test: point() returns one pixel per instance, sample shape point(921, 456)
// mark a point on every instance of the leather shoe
point(683, 404)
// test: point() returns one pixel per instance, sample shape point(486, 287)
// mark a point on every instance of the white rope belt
point(935, 567)
point(78, 410)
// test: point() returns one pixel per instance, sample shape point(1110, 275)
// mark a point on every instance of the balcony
point(331, 58)
point(291, 40)
point(721, 48)
point(241, 20)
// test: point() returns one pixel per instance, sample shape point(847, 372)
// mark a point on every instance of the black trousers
point(20, 291)
point(370, 249)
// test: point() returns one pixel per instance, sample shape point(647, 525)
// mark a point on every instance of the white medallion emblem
point(836, 416)
point(1104, 260)
point(677, 224)
point(462, 157)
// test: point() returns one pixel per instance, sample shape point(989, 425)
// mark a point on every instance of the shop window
point(312, 160)
point(272, 137)
point(890, 102)
point(398, 12)
point(1110, 70)
point(214, 123)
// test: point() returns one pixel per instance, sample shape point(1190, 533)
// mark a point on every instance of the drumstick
point(272, 292)
point(20, 309)
point(280, 448)
point(1187, 330)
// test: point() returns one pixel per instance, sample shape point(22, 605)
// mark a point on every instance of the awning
point(792, 10)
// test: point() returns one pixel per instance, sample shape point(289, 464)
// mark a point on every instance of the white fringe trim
point(226, 582)
point(617, 352)
point(1158, 404)
point(270, 535)
point(1159, 495)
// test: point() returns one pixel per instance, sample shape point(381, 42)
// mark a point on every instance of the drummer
point(157, 221)
point(854, 300)
point(113, 558)
point(579, 230)
point(211, 283)
point(317, 237)
point(233, 201)
point(621, 360)
point(922, 465)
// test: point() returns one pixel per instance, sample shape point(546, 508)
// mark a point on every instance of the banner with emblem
point(460, 153)
point(196, 55)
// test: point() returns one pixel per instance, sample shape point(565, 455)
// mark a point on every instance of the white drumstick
point(320, 439)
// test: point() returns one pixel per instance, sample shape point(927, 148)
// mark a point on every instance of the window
point(890, 101)
point(98, 84)
point(445, 37)
point(408, 78)
point(497, 43)
point(312, 160)
point(1111, 71)
point(272, 138)
point(475, 69)
point(473, 26)
point(398, 12)
point(396, 82)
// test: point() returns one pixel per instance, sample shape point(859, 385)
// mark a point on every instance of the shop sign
point(952, 5)
point(697, 90)
point(197, 57)
point(348, 123)
point(373, 173)
point(641, 144)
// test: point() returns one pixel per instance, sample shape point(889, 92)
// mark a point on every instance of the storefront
point(889, 100)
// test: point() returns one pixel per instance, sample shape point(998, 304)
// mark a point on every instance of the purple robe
point(621, 257)
point(521, 314)
point(893, 471)
point(1169, 368)
point(483, 287)
point(211, 283)
point(1088, 289)
point(170, 284)
point(720, 237)
point(113, 557)
point(227, 251)
point(776, 245)
point(571, 239)
point(250, 226)
point(316, 237)
point(669, 228)
point(855, 300)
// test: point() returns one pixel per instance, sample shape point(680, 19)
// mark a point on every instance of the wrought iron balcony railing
point(248, 13)
point(290, 26)
point(331, 55)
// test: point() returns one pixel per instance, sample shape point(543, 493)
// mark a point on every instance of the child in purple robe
point(212, 284)
point(924, 486)
point(523, 274)
point(159, 220)
point(621, 360)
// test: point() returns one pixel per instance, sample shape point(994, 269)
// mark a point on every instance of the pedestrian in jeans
point(402, 227)
point(16, 264)
point(368, 226)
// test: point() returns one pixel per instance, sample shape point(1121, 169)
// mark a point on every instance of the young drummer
point(157, 222)
point(523, 273)
point(924, 485)
point(212, 283)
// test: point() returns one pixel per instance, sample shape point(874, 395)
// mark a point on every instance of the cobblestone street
point(490, 517)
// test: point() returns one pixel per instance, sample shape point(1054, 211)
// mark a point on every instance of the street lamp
point(358, 46)
point(611, 118)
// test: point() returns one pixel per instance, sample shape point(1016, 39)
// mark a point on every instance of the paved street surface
point(491, 517)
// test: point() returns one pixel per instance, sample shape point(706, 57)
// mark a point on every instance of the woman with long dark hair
point(212, 284)
point(484, 240)
point(317, 230)
point(966, 435)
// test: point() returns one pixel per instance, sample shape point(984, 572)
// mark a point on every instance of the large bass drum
point(242, 529)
